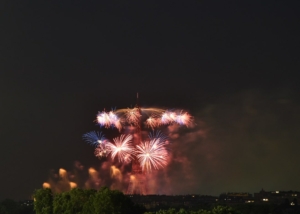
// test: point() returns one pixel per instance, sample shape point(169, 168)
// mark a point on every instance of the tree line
point(103, 201)
point(9, 206)
point(106, 201)
point(79, 201)
point(215, 210)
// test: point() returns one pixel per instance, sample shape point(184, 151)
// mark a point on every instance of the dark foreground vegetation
point(79, 201)
point(106, 201)
point(9, 206)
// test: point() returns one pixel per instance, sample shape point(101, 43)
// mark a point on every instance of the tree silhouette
point(78, 201)
point(43, 201)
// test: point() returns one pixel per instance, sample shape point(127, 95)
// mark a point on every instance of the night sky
point(231, 64)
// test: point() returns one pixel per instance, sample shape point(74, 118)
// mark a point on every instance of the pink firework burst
point(122, 148)
point(152, 154)
point(168, 117)
point(109, 119)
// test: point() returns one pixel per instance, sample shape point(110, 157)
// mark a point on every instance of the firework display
point(151, 153)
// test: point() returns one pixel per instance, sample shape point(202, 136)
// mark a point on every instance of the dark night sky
point(232, 64)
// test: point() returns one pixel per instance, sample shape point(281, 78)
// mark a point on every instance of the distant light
point(277, 192)
point(265, 199)
point(46, 185)
point(73, 185)
point(293, 204)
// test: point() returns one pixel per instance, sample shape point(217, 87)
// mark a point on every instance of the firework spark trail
point(158, 135)
point(98, 140)
point(115, 120)
point(133, 116)
point(148, 111)
point(103, 119)
point(184, 119)
point(122, 148)
point(169, 117)
point(101, 151)
point(152, 122)
point(94, 138)
point(152, 154)
point(109, 120)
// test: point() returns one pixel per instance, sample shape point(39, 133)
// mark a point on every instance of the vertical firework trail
point(144, 154)
point(137, 179)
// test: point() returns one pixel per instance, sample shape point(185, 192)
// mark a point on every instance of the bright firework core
point(144, 155)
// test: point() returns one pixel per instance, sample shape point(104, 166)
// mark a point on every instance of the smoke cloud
point(242, 142)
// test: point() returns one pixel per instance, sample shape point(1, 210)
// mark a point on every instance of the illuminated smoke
point(60, 182)
point(46, 185)
point(117, 178)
